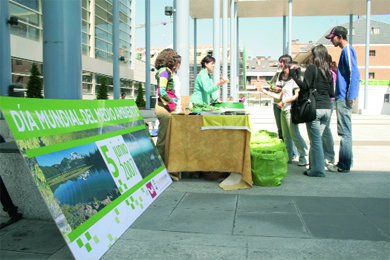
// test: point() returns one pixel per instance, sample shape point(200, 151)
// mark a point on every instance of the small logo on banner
point(151, 189)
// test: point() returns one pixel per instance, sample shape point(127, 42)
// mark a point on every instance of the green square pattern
point(117, 211)
point(79, 243)
point(96, 239)
point(88, 236)
point(117, 220)
point(88, 247)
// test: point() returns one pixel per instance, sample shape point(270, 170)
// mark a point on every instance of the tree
point(34, 85)
point(140, 101)
point(102, 92)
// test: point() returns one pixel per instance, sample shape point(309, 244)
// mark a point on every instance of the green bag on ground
point(268, 159)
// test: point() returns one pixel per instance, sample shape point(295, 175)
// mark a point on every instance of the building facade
point(97, 53)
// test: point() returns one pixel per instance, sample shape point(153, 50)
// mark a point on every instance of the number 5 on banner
point(104, 149)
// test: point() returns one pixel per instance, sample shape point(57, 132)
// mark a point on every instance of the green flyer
point(93, 162)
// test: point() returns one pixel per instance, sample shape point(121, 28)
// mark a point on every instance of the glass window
point(102, 45)
point(85, 4)
point(101, 12)
point(100, 23)
point(85, 14)
point(33, 4)
point(85, 38)
point(24, 14)
point(103, 35)
point(85, 26)
point(87, 77)
point(387, 98)
point(372, 53)
point(26, 31)
point(123, 18)
point(375, 30)
point(85, 49)
point(104, 4)
point(371, 75)
point(87, 88)
point(100, 54)
point(124, 27)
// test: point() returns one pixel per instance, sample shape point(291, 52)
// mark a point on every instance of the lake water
point(96, 184)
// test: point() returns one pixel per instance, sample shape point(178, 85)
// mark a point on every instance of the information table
point(189, 148)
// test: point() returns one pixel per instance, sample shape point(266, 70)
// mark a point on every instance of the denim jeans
point(291, 135)
point(344, 130)
point(315, 130)
point(277, 112)
point(327, 138)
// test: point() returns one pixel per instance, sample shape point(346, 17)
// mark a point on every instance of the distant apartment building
point(297, 47)
point(97, 54)
point(259, 70)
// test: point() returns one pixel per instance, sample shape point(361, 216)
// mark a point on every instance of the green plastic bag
point(268, 159)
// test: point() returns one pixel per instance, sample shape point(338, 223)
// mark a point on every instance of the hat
point(337, 31)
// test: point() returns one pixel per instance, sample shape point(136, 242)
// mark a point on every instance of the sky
point(260, 36)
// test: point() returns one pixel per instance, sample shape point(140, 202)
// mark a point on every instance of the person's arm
point(207, 83)
point(274, 95)
point(332, 85)
point(308, 78)
point(162, 85)
point(354, 75)
point(291, 99)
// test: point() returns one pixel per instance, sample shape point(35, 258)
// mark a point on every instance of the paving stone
point(201, 221)
point(340, 226)
point(4, 254)
point(273, 224)
point(327, 205)
point(33, 236)
point(125, 249)
point(208, 201)
point(265, 204)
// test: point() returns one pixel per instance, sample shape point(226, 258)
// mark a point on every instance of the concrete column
point(224, 47)
point(289, 26)
point(284, 35)
point(62, 49)
point(350, 28)
point(5, 50)
point(238, 54)
point(367, 64)
point(147, 53)
point(174, 26)
point(182, 43)
point(195, 45)
point(92, 28)
point(115, 49)
point(216, 33)
point(233, 54)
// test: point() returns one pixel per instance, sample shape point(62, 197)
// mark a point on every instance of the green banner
point(54, 117)
point(94, 164)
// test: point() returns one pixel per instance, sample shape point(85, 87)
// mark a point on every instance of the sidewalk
point(341, 216)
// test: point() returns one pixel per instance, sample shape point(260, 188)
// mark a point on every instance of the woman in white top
point(290, 130)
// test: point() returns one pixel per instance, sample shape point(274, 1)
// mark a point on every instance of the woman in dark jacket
point(319, 77)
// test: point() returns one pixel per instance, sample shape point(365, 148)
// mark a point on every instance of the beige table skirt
point(188, 148)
